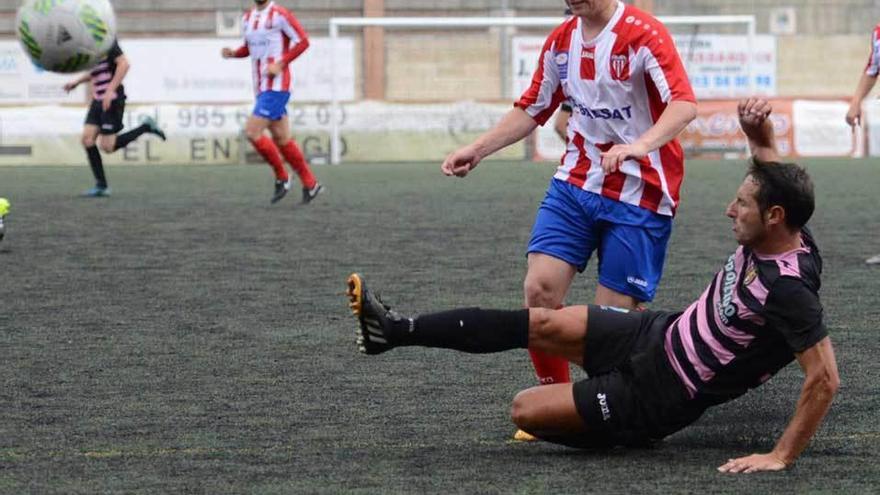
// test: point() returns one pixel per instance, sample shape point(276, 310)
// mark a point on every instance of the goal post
point(336, 24)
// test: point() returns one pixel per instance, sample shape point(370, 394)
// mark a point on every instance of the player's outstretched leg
point(375, 320)
point(472, 330)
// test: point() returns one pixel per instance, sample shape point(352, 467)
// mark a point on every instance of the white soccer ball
point(66, 35)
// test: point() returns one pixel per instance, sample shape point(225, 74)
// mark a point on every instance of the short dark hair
point(787, 185)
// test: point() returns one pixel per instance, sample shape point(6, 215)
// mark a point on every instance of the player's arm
point(240, 52)
point(754, 121)
point(514, 126)
point(534, 108)
point(673, 120)
point(294, 30)
point(560, 123)
point(70, 86)
point(666, 70)
point(122, 67)
point(866, 84)
point(820, 384)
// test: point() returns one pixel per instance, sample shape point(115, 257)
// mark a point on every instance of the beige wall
point(424, 67)
point(466, 66)
point(820, 66)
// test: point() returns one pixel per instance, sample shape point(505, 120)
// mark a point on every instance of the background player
point(866, 83)
point(274, 38)
point(653, 373)
point(617, 187)
point(104, 118)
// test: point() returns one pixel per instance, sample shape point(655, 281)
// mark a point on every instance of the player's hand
point(753, 464)
point(274, 69)
point(753, 112)
point(854, 115)
point(106, 101)
point(614, 157)
point(71, 86)
point(227, 52)
point(460, 162)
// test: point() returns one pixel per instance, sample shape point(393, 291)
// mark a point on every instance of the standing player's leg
point(254, 130)
point(89, 140)
point(280, 130)
point(632, 253)
point(547, 282)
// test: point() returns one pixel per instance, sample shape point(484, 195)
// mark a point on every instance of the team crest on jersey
point(620, 67)
point(751, 275)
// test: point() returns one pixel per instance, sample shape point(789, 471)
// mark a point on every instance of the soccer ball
point(4, 209)
point(66, 35)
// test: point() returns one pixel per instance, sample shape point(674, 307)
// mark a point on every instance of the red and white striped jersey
point(873, 67)
point(271, 34)
point(618, 85)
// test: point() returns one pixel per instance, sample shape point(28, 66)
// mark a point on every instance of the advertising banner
point(716, 63)
point(23, 82)
point(185, 70)
point(192, 70)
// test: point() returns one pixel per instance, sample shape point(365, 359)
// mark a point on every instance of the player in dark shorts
point(652, 373)
point(104, 119)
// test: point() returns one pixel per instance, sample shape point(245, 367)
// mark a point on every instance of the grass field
point(185, 337)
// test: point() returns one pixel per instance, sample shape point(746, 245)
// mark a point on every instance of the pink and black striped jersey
point(873, 66)
point(271, 34)
point(103, 73)
point(618, 85)
point(758, 311)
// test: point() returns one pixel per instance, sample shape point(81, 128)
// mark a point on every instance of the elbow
point(689, 113)
point(827, 383)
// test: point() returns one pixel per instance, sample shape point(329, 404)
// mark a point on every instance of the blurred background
point(416, 92)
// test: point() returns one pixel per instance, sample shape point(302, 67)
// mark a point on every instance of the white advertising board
point(23, 82)
point(191, 70)
point(821, 129)
point(716, 63)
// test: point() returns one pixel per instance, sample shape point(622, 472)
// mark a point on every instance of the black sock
point(122, 140)
point(471, 330)
point(97, 166)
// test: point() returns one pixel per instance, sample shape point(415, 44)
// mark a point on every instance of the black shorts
point(632, 396)
point(109, 122)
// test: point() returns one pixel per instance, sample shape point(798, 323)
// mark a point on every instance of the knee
point(540, 293)
point(88, 140)
point(280, 141)
point(253, 134)
point(107, 146)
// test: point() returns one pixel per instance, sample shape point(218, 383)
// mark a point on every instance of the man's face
point(589, 8)
point(748, 223)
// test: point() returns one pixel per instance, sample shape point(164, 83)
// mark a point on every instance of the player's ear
point(775, 215)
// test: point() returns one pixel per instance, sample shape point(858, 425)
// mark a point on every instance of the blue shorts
point(271, 105)
point(631, 241)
